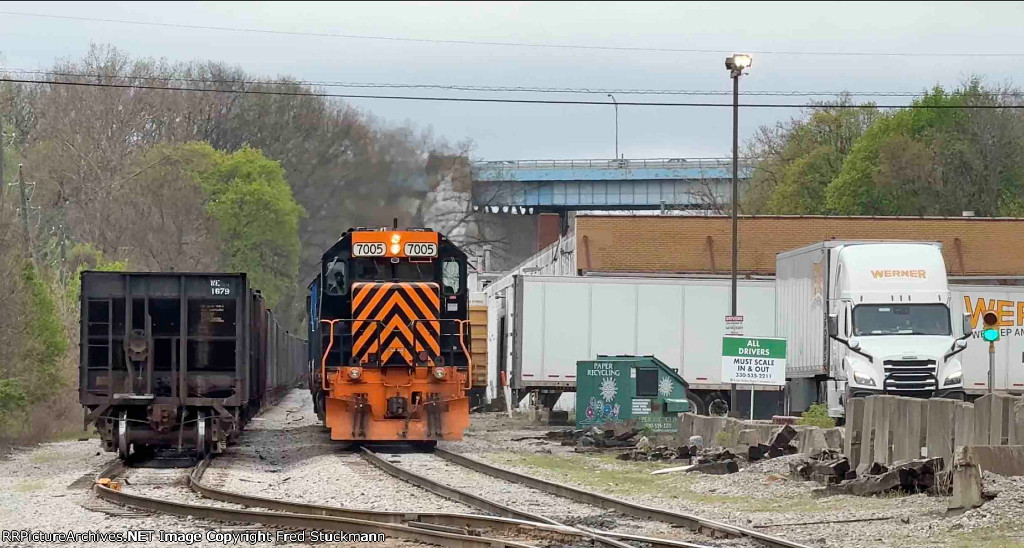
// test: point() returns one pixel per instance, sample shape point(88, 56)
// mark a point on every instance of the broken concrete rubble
point(911, 476)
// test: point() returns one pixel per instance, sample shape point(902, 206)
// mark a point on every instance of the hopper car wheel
point(122, 436)
point(201, 436)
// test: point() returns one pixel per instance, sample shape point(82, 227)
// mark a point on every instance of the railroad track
point(694, 523)
point(437, 528)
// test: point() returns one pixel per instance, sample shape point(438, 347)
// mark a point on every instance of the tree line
point(938, 159)
point(157, 180)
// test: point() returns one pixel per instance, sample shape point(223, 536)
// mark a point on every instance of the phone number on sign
point(745, 375)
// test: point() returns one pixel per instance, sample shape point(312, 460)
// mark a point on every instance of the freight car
point(175, 360)
point(390, 337)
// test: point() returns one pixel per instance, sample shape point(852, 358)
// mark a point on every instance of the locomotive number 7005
point(415, 249)
point(375, 249)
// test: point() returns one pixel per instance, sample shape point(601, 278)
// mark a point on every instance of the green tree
point(35, 376)
point(257, 218)
point(937, 161)
point(798, 160)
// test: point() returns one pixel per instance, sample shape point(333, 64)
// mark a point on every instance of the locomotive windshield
point(383, 270)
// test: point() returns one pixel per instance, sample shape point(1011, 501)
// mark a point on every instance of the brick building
point(972, 246)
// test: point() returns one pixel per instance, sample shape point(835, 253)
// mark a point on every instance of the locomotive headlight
point(355, 372)
point(395, 238)
point(440, 373)
point(395, 248)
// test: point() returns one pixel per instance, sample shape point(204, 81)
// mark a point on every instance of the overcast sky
point(503, 131)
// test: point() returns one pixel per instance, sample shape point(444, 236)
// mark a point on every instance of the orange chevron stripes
point(395, 318)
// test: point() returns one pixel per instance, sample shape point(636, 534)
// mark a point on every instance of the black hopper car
point(179, 360)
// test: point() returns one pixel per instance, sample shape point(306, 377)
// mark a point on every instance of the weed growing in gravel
point(29, 486)
point(817, 415)
point(605, 474)
point(43, 458)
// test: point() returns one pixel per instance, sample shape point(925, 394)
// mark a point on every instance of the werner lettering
point(921, 274)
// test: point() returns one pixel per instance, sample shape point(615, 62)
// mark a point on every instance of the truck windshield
point(901, 319)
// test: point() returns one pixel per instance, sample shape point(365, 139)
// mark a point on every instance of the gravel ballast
point(35, 495)
point(761, 495)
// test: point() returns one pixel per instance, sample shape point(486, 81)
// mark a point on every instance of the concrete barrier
point(739, 434)
point(1005, 460)
point(887, 428)
point(1017, 430)
point(854, 425)
point(939, 442)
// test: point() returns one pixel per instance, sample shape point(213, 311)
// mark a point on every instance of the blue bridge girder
point(567, 185)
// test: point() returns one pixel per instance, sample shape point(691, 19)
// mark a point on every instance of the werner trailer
point(540, 326)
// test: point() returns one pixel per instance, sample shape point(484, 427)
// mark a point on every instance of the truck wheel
point(696, 404)
point(718, 404)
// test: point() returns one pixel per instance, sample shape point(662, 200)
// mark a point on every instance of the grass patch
point(1007, 534)
point(40, 457)
point(74, 434)
point(604, 474)
point(29, 486)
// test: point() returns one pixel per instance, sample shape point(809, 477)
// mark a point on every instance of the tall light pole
point(616, 125)
point(736, 64)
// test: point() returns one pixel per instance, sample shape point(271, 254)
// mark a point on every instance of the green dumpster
point(622, 388)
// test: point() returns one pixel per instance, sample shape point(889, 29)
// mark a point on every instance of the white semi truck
point(869, 317)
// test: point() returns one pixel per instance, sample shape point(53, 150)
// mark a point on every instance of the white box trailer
point(1008, 302)
point(542, 325)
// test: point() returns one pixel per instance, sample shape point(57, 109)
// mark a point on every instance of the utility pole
point(735, 65)
point(63, 252)
point(27, 245)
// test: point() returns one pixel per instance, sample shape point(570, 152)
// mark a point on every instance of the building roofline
point(787, 217)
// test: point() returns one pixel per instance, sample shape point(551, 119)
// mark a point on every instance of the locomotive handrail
point(330, 344)
point(469, 357)
point(323, 359)
point(416, 336)
point(462, 341)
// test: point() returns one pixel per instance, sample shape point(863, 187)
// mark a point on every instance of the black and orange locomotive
point(389, 337)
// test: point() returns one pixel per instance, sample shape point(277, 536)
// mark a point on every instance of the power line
point(506, 44)
point(510, 101)
point(486, 88)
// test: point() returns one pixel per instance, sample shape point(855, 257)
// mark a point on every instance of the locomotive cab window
point(450, 276)
point(335, 279)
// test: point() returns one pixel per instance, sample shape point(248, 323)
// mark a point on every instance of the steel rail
point(415, 519)
point(629, 508)
point(598, 536)
point(295, 521)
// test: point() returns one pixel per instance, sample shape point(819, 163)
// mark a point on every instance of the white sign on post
point(754, 360)
point(734, 325)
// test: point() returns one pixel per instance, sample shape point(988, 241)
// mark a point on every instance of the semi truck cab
point(890, 325)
